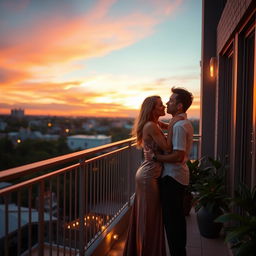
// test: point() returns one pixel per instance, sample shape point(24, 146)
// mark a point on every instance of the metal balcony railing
point(64, 209)
point(62, 205)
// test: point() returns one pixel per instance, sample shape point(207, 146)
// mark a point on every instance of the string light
point(93, 219)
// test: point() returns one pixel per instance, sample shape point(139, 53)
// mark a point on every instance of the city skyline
point(97, 58)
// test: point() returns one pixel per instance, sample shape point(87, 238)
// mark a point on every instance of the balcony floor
point(196, 244)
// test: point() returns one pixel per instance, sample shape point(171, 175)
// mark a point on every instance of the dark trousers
point(172, 196)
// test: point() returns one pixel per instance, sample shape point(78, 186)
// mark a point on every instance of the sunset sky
point(97, 57)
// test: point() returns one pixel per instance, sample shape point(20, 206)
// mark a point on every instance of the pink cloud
point(58, 38)
point(52, 38)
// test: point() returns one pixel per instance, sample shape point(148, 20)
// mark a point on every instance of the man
point(175, 175)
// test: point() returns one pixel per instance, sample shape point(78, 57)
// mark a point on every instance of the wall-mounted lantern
point(213, 67)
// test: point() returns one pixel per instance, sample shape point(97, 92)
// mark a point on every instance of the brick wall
point(232, 13)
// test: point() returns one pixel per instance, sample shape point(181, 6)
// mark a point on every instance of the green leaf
point(247, 248)
point(237, 233)
point(232, 217)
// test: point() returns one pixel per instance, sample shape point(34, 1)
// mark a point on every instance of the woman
point(146, 231)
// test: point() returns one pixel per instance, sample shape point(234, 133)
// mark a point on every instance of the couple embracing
point(162, 177)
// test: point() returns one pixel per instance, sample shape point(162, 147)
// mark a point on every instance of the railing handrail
point(17, 172)
point(42, 165)
point(29, 182)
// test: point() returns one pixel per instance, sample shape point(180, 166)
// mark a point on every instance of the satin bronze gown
point(146, 231)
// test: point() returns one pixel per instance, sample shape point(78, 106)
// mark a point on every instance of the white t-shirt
point(182, 139)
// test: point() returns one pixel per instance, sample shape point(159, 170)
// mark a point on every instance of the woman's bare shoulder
point(150, 125)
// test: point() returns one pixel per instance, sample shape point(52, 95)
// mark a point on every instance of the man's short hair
point(183, 96)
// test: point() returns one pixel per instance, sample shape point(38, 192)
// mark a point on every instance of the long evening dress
point(146, 231)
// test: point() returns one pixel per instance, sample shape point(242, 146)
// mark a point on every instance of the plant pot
point(187, 203)
point(207, 227)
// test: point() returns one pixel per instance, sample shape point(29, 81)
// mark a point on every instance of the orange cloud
point(39, 49)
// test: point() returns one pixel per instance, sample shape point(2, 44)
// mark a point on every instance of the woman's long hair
point(146, 114)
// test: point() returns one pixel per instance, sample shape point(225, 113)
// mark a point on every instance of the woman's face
point(159, 109)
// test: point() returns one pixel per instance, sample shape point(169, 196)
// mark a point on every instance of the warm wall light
point(213, 67)
point(115, 237)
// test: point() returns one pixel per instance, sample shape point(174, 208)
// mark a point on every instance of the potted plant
point(241, 233)
point(211, 199)
point(193, 175)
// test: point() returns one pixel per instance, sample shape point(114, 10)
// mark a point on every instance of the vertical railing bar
point(94, 195)
point(64, 215)
point(99, 195)
point(50, 222)
point(119, 183)
point(109, 193)
point(86, 182)
point(122, 186)
point(6, 225)
point(70, 210)
point(90, 202)
point(115, 205)
point(58, 213)
point(75, 217)
point(129, 174)
point(113, 179)
point(112, 175)
point(124, 175)
point(110, 189)
point(107, 199)
point(103, 191)
point(29, 219)
point(19, 222)
point(81, 207)
point(41, 219)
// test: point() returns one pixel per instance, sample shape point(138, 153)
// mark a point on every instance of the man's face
point(172, 105)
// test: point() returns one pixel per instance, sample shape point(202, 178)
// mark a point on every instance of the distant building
point(26, 133)
point(37, 123)
point(3, 125)
point(17, 112)
point(87, 141)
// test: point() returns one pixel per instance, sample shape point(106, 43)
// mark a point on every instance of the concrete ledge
point(105, 241)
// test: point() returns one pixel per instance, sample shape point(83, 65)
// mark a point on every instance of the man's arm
point(175, 157)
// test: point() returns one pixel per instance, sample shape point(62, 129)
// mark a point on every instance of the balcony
point(76, 204)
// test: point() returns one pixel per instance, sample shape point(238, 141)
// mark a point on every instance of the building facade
point(228, 87)
point(87, 141)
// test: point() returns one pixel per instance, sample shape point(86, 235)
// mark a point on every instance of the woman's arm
point(174, 157)
point(151, 129)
